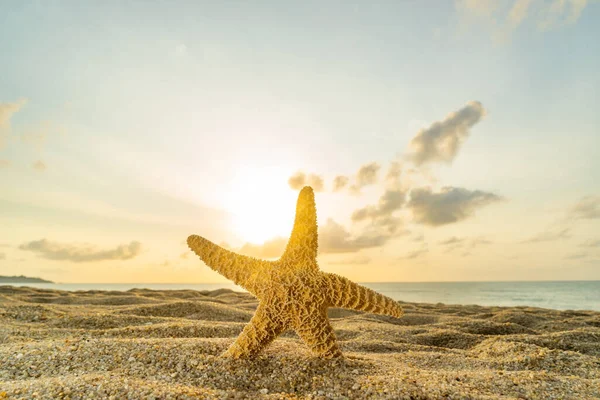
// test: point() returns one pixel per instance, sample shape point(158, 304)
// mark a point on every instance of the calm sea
point(561, 295)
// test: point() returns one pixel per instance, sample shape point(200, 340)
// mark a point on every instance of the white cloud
point(450, 205)
point(441, 141)
point(80, 252)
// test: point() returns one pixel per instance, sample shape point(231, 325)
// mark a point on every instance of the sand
point(166, 345)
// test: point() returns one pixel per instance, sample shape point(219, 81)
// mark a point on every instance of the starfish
point(293, 293)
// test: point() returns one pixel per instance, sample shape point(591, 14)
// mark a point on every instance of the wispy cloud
point(300, 179)
point(449, 205)
point(334, 238)
point(576, 256)
point(416, 254)
point(590, 243)
point(441, 141)
point(7, 110)
point(550, 235)
point(340, 182)
point(587, 208)
point(502, 17)
point(5, 163)
point(452, 240)
point(80, 252)
point(561, 12)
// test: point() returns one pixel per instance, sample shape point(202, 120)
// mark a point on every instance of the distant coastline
point(22, 279)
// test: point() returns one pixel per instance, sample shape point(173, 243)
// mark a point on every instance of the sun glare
point(262, 209)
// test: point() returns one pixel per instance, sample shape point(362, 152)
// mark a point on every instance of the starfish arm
point(303, 242)
point(314, 329)
point(344, 293)
point(262, 329)
point(248, 272)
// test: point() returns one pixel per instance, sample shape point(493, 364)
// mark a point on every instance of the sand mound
point(102, 344)
point(193, 310)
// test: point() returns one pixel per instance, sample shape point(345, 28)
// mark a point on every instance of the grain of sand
point(166, 345)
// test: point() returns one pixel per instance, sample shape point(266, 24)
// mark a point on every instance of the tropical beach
point(300, 200)
point(143, 343)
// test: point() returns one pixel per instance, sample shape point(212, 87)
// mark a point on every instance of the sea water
point(560, 295)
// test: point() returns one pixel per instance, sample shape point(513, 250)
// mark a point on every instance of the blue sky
point(148, 121)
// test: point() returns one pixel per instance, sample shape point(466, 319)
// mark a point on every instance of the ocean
point(560, 295)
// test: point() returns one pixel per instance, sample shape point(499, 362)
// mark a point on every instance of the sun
point(261, 203)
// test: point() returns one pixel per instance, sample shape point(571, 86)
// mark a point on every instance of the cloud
point(334, 238)
point(273, 248)
point(39, 166)
point(4, 163)
point(394, 174)
point(453, 240)
point(590, 243)
point(549, 236)
point(415, 254)
point(316, 182)
point(504, 16)
point(561, 12)
point(340, 182)
point(300, 179)
point(2, 256)
point(587, 208)
point(480, 242)
point(450, 205)
point(7, 110)
point(454, 243)
point(441, 141)
point(418, 238)
point(297, 181)
point(381, 214)
point(80, 252)
point(358, 260)
point(518, 12)
point(575, 256)
point(367, 175)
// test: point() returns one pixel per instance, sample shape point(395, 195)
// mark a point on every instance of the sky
point(450, 143)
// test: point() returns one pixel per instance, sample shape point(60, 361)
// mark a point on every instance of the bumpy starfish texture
point(292, 292)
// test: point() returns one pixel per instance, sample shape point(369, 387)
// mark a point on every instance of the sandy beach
point(166, 344)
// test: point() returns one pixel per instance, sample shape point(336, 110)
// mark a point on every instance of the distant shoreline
point(22, 279)
point(561, 295)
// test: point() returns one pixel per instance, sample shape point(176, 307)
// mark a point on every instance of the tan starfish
point(292, 292)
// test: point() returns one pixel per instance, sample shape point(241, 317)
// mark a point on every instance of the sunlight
point(262, 209)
